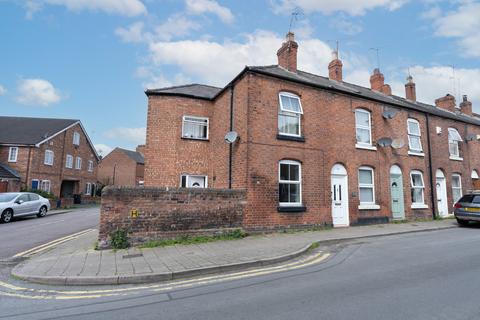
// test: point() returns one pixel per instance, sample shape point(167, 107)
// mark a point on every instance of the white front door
point(442, 204)
point(340, 201)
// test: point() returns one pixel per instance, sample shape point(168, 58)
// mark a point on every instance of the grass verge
point(184, 240)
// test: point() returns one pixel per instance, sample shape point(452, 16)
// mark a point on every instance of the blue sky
point(92, 59)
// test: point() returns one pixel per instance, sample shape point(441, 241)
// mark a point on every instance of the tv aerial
point(295, 16)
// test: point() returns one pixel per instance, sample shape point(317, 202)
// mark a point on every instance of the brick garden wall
point(169, 213)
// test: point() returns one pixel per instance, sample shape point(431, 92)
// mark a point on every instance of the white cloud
point(462, 24)
point(210, 6)
point(135, 135)
point(127, 8)
point(352, 7)
point(2, 90)
point(132, 33)
point(103, 149)
point(37, 92)
point(345, 25)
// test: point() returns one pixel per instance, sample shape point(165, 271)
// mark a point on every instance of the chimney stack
point(141, 149)
point(377, 83)
point(410, 89)
point(447, 103)
point(287, 54)
point(466, 106)
point(335, 68)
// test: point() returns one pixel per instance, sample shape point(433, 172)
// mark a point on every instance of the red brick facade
point(118, 169)
point(64, 182)
point(328, 137)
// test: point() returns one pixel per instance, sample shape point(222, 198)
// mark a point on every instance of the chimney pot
point(377, 81)
point(466, 106)
point(410, 89)
point(287, 54)
point(335, 68)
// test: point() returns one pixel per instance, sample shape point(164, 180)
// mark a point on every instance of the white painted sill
point(455, 158)
point(369, 207)
point(365, 147)
point(419, 206)
point(417, 154)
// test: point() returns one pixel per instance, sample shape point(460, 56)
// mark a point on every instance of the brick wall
point(120, 164)
point(168, 213)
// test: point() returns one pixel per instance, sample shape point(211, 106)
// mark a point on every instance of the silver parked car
point(468, 209)
point(20, 204)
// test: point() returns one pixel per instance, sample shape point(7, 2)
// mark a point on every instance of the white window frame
point(187, 178)
point(90, 166)
point(69, 161)
point(12, 153)
point(76, 138)
point(418, 205)
point(366, 186)
point(49, 155)
point(299, 183)
point(88, 189)
point(454, 142)
point(193, 121)
point(78, 163)
point(459, 188)
point(363, 145)
point(414, 135)
point(289, 113)
point(44, 183)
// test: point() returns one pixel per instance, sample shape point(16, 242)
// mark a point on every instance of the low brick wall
point(168, 213)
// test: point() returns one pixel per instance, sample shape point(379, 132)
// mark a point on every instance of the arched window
point(366, 186)
point(289, 183)
point(453, 143)
point(289, 115)
point(417, 188)
point(414, 136)
point(363, 126)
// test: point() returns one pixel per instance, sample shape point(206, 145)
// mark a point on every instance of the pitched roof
point(200, 91)
point(134, 155)
point(8, 173)
point(30, 131)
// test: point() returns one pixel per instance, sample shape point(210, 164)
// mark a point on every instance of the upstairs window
point(76, 138)
point(195, 128)
point(289, 116)
point(453, 143)
point(194, 181)
point(456, 187)
point(414, 136)
point(48, 158)
point(417, 188)
point(78, 163)
point(290, 183)
point(12, 154)
point(90, 166)
point(366, 185)
point(363, 126)
point(69, 161)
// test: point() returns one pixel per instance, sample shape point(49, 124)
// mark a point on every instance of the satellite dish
point(397, 143)
point(384, 142)
point(389, 113)
point(471, 137)
point(231, 137)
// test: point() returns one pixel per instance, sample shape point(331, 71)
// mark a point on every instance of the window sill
point(291, 208)
point(369, 207)
point(290, 138)
point(455, 158)
point(415, 153)
point(419, 206)
point(196, 139)
point(365, 147)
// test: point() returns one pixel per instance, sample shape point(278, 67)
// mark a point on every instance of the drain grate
point(129, 256)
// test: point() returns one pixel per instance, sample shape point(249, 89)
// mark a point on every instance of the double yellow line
point(48, 245)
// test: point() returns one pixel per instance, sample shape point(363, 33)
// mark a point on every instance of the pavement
point(75, 262)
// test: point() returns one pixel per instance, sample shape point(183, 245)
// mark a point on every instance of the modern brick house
point(122, 167)
point(54, 155)
point(314, 150)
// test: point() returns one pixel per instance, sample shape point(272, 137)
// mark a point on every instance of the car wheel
point(6, 216)
point(462, 222)
point(42, 212)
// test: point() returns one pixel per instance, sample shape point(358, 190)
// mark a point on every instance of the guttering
point(432, 197)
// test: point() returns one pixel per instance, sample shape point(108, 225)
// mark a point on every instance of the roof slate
point(8, 173)
point(190, 90)
point(134, 155)
point(30, 131)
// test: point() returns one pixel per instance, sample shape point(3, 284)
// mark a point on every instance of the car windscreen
point(7, 197)
point(470, 198)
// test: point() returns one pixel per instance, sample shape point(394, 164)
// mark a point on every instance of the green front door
point(396, 189)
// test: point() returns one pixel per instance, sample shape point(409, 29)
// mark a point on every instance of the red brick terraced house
point(54, 155)
point(122, 167)
point(314, 150)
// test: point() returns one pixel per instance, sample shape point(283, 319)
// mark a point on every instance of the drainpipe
point(230, 146)
point(28, 166)
point(432, 197)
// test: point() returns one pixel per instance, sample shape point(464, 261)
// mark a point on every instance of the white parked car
point(20, 204)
